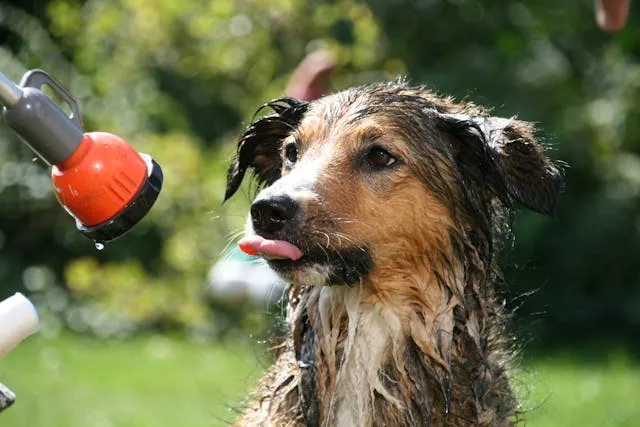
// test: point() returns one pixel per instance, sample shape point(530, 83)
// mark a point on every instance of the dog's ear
point(259, 145)
point(506, 156)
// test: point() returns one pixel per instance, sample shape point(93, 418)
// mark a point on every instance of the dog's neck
point(366, 358)
point(350, 342)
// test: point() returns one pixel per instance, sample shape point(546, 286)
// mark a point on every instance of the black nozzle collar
point(132, 213)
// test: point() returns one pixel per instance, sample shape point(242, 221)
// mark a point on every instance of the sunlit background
point(133, 335)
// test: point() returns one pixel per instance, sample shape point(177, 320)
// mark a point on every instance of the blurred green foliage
point(179, 79)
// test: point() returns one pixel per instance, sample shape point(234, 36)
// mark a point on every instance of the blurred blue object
point(237, 276)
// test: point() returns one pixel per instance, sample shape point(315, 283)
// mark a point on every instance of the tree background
point(179, 80)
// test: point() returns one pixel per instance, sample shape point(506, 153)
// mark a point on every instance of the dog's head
point(382, 175)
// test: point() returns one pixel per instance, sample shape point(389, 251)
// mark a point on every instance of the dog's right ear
point(259, 146)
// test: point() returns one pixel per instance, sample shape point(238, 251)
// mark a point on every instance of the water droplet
point(99, 246)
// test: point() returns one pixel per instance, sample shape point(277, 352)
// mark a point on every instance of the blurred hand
point(311, 79)
point(611, 15)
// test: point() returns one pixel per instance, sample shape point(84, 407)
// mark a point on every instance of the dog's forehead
point(353, 105)
point(402, 120)
point(347, 113)
point(334, 110)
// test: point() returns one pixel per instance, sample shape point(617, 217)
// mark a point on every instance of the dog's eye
point(380, 158)
point(291, 153)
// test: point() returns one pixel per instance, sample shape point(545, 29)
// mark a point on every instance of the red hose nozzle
point(99, 179)
point(106, 185)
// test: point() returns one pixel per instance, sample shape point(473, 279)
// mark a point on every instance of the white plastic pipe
point(18, 320)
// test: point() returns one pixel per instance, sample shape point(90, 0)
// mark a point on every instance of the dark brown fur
point(402, 327)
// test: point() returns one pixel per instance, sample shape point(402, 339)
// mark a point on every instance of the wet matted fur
point(402, 200)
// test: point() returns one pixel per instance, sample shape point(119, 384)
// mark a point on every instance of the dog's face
point(378, 178)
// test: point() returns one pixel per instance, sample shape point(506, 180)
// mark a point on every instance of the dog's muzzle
point(284, 238)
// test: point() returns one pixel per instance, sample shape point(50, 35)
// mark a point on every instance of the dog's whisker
point(346, 220)
point(225, 252)
point(326, 254)
point(339, 236)
point(234, 234)
point(345, 237)
point(325, 235)
point(341, 219)
point(232, 237)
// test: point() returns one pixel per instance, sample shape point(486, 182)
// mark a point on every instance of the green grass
point(573, 390)
point(76, 382)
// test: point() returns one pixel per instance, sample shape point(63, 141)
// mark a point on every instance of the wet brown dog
point(383, 206)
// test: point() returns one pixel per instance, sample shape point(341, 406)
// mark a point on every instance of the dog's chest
point(359, 376)
point(367, 349)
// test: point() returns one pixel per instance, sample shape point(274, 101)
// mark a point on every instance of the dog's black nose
point(272, 214)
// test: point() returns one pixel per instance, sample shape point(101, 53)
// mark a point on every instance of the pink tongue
point(278, 249)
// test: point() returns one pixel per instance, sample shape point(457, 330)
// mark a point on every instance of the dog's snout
point(272, 214)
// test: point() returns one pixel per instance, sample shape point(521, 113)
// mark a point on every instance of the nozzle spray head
point(106, 185)
point(98, 178)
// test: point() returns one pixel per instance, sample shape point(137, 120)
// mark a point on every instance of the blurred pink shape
point(311, 79)
point(611, 15)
